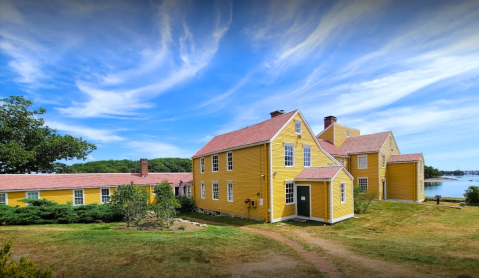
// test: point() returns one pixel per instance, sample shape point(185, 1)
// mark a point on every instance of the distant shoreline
point(440, 179)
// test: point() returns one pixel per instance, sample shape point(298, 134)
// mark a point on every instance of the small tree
point(132, 201)
point(165, 202)
point(362, 199)
point(25, 268)
point(472, 194)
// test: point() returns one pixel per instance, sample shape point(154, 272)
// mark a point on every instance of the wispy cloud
point(101, 135)
point(195, 52)
point(153, 149)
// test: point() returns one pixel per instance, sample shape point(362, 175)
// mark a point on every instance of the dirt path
point(324, 266)
point(372, 267)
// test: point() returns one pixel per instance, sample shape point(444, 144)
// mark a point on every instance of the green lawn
point(96, 250)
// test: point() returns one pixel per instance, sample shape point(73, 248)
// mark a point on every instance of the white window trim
point(300, 127)
point(366, 156)
point(342, 191)
point(383, 161)
point(26, 194)
point(367, 182)
point(227, 162)
point(6, 198)
point(217, 159)
point(310, 155)
point(228, 191)
point(83, 197)
point(284, 155)
point(101, 194)
point(213, 191)
point(347, 133)
point(294, 192)
point(188, 191)
point(202, 165)
point(203, 190)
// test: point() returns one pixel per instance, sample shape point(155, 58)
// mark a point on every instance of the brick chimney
point(276, 113)
point(329, 120)
point(144, 167)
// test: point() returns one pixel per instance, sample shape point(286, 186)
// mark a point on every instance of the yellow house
point(367, 158)
point(273, 171)
point(82, 189)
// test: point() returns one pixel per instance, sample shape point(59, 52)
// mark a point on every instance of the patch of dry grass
point(98, 250)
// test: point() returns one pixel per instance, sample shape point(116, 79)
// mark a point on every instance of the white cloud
point(157, 149)
point(102, 135)
point(195, 54)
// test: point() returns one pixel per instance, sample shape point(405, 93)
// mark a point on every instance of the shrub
point(132, 202)
point(187, 204)
point(472, 194)
point(362, 199)
point(165, 204)
point(52, 213)
point(25, 268)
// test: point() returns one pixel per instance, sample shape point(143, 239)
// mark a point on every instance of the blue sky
point(160, 78)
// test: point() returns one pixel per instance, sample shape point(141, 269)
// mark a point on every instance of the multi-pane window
point(188, 191)
point(307, 156)
point(362, 162)
point(420, 167)
point(216, 190)
point(342, 161)
point(384, 160)
point(229, 161)
point(422, 187)
point(288, 155)
point(214, 163)
point(3, 198)
point(297, 127)
point(347, 132)
point(105, 195)
point(78, 197)
point(343, 192)
point(33, 195)
point(363, 184)
point(230, 191)
point(202, 165)
point(203, 191)
point(289, 192)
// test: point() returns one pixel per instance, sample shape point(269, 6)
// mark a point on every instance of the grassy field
point(434, 241)
point(97, 250)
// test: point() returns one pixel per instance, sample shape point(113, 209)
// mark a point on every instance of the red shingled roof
point(36, 182)
point(331, 149)
point(323, 173)
point(405, 157)
point(365, 143)
point(257, 133)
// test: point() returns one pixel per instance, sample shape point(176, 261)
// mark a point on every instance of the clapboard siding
point(248, 166)
point(288, 135)
point(347, 208)
point(371, 172)
point(319, 202)
point(401, 181)
point(328, 135)
point(341, 134)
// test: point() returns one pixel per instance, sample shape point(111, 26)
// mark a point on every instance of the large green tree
point(28, 145)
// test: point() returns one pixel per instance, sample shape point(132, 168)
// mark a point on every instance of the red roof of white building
point(60, 181)
point(319, 173)
point(405, 158)
point(365, 143)
point(261, 132)
point(331, 149)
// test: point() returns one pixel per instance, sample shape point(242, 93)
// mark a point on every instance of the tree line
point(431, 172)
point(157, 165)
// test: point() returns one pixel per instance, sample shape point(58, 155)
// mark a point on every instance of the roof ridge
point(256, 123)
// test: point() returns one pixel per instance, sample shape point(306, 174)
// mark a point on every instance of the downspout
point(271, 183)
point(266, 176)
point(331, 203)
